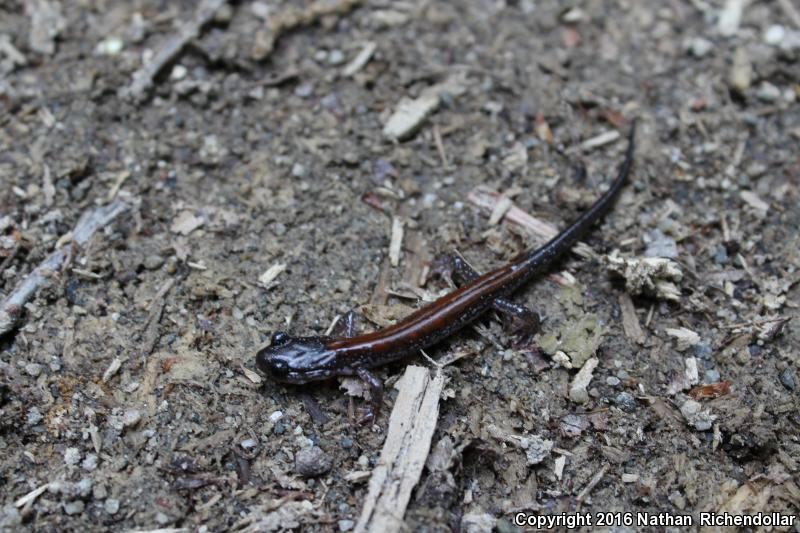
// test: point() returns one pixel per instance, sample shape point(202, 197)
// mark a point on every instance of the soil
point(262, 193)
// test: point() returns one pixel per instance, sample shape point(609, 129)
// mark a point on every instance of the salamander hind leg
point(376, 395)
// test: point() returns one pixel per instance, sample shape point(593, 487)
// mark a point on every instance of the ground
point(129, 386)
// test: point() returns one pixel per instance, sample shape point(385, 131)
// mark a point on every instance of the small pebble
point(660, 245)
point(248, 444)
point(538, 450)
point(346, 525)
point(99, 492)
point(767, 92)
point(34, 416)
point(90, 463)
point(787, 378)
point(699, 46)
point(178, 72)
point(261, 10)
point(131, 417)
point(336, 57)
point(347, 443)
point(275, 416)
point(299, 171)
point(721, 255)
point(625, 401)
point(72, 456)
point(312, 462)
point(690, 408)
point(304, 90)
point(74, 507)
point(774, 34)
point(33, 369)
point(111, 506)
point(84, 487)
point(711, 376)
point(612, 381)
point(153, 262)
point(702, 351)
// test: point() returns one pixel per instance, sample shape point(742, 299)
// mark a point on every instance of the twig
point(150, 335)
point(89, 223)
point(593, 483)
point(408, 442)
point(143, 78)
point(487, 199)
point(630, 322)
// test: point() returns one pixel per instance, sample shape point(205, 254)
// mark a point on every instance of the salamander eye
point(279, 338)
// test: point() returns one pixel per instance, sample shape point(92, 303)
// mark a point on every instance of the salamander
point(300, 360)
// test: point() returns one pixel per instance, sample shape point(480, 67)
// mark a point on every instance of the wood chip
point(754, 201)
point(361, 59)
point(558, 469)
point(500, 209)
point(630, 322)
point(396, 242)
point(685, 337)
point(271, 273)
point(593, 483)
point(577, 391)
point(408, 441)
point(730, 17)
point(186, 222)
point(600, 140)
point(32, 495)
point(486, 198)
point(112, 369)
point(410, 114)
point(251, 375)
point(692, 374)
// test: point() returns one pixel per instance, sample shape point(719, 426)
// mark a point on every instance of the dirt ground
point(261, 191)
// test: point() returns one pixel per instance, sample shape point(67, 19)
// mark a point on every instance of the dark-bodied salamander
point(303, 359)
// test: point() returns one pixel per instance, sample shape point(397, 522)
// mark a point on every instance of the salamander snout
point(295, 359)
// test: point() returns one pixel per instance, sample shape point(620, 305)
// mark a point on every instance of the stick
point(89, 223)
point(408, 442)
point(143, 78)
point(593, 483)
point(487, 199)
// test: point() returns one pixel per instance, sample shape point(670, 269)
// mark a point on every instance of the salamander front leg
point(346, 326)
point(375, 393)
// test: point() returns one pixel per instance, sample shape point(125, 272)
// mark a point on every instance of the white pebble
point(774, 34)
point(699, 46)
point(336, 57)
point(767, 92)
point(72, 456)
point(111, 506)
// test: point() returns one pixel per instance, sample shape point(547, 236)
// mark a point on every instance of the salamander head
point(296, 359)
